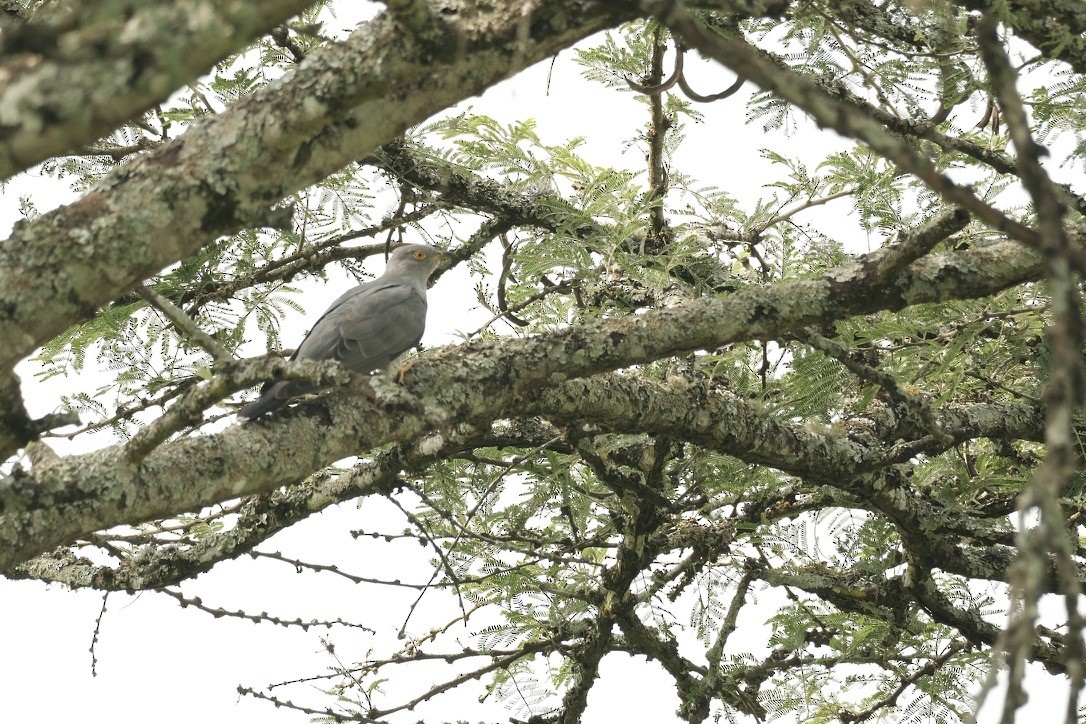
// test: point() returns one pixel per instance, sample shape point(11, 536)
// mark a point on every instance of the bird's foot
point(402, 372)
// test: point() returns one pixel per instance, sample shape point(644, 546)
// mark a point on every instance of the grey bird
point(366, 328)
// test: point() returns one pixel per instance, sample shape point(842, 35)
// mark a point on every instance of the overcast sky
point(160, 663)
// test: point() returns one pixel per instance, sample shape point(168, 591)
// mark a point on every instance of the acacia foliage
point(853, 442)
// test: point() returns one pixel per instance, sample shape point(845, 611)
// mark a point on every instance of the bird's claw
point(402, 372)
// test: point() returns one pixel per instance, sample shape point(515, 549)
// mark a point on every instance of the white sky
point(164, 664)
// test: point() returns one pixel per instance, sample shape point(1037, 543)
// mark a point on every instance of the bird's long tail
point(274, 397)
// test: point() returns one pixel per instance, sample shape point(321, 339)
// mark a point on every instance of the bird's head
point(417, 261)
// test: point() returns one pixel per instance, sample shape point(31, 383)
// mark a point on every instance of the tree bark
point(473, 383)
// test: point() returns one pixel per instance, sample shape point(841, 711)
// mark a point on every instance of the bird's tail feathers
point(273, 398)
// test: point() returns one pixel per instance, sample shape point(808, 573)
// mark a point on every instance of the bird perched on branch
point(366, 328)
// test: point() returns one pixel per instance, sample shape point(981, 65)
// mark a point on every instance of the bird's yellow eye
point(420, 255)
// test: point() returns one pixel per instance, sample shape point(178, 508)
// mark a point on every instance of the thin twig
point(263, 617)
point(94, 637)
point(184, 324)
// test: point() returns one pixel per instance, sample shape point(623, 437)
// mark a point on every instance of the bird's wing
point(365, 329)
point(368, 326)
point(322, 339)
point(320, 343)
point(380, 325)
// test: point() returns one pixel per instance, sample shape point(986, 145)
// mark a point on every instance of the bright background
point(158, 662)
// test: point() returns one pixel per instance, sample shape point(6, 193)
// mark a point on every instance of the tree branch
point(225, 173)
point(184, 324)
point(414, 17)
point(844, 118)
point(85, 80)
point(1063, 400)
point(472, 383)
point(1056, 28)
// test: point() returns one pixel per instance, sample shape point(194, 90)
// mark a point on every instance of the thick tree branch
point(662, 454)
point(60, 90)
point(864, 472)
point(259, 518)
point(1055, 28)
point(15, 426)
point(471, 383)
point(832, 112)
point(225, 173)
point(414, 17)
point(1063, 399)
point(624, 403)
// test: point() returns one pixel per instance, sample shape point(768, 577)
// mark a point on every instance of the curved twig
point(698, 98)
point(655, 90)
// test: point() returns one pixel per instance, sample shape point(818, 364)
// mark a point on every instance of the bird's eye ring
point(420, 255)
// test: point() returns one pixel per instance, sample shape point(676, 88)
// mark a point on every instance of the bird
point(367, 328)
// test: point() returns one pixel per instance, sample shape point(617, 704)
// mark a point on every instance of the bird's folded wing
point(378, 326)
